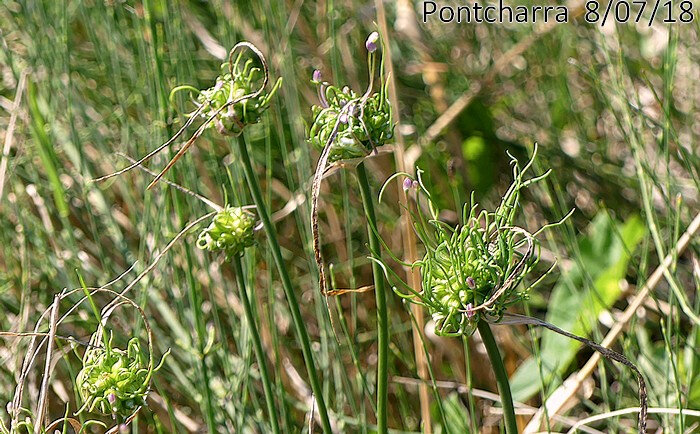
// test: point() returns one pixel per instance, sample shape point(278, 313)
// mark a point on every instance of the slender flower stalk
point(501, 375)
point(195, 300)
point(257, 345)
point(380, 296)
point(297, 319)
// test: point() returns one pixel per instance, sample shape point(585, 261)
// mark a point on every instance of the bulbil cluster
point(475, 268)
point(231, 231)
point(359, 126)
point(238, 97)
point(114, 381)
point(234, 85)
point(353, 125)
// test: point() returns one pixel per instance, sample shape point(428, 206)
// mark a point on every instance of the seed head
point(353, 124)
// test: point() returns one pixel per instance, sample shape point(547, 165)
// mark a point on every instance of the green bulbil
point(363, 124)
point(231, 231)
point(113, 381)
point(233, 85)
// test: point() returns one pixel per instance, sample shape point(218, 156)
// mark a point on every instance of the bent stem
point(257, 344)
point(501, 377)
point(298, 321)
point(380, 294)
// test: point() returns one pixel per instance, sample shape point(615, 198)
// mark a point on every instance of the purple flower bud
point(407, 184)
point(112, 398)
point(371, 43)
point(123, 429)
point(470, 311)
point(415, 184)
point(316, 77)
point(344, 118)
point(470, 282)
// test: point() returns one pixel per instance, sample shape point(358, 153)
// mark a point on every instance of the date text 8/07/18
point(638, 11)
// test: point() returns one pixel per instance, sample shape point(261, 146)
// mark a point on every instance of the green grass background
point(614, 110)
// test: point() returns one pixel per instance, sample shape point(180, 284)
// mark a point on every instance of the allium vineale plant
point(472, 272)
point(238, 98)
point(348, 126)
point(234, 101)
point(473, 269)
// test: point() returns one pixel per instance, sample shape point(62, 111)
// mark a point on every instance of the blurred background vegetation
point(613, 108)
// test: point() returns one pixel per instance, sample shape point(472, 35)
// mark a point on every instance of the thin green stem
point(501, 377)
point(257, 345)
point(195, 298)
point(380, 294)
point(196, 303)
point(297, 319)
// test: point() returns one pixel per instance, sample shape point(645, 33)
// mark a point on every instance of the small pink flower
point(371, 43)
point(470, 282)
point(407, 184)
point(470, 311)
point(316, 77)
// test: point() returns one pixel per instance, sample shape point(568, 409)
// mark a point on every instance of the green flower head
point(238, 98)
point(231, 231)
point(114, 381)
point(358, 129)
point(476, 267)
point(353, 125)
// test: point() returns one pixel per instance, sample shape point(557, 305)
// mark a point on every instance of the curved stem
point(380, 295)
point(501, 377)
point(297, 319)
point(257, 345)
